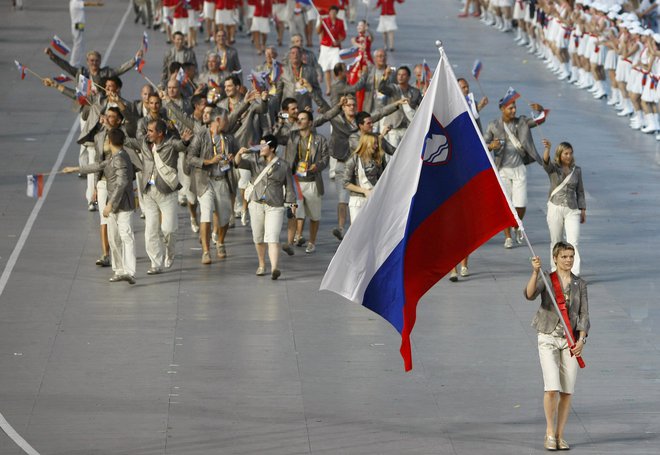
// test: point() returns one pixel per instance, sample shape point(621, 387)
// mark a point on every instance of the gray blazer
point(170, 57)
point(319, 155)
point(521, 129)
point(394, 92)
point(572, 195)
point(546, 318)
point(168, 151)
point(233, 63)
point(276, 188)
point(119, 174)
point(373, 78)
point(200, 149)
point(286, 86)
point(373, 172)
point(340, 88)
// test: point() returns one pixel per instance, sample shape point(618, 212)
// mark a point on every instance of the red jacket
point(387, 7)
point(263, 8)
point(337, 29)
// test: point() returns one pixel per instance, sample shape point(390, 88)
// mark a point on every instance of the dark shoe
point(114, 278)
point(129, 278)
point(339, 233)
point(300, 241)
point(287, 249)
point(154, 271)
point(103, 261)
point(276, 274)
point(453, 277)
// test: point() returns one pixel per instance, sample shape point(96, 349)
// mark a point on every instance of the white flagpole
point(323, 23)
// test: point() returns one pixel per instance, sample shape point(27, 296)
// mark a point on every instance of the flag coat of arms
point(439, 199)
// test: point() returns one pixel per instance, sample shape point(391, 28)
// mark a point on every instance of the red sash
point(561, 303)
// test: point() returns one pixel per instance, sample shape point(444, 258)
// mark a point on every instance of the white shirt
point(77, 11)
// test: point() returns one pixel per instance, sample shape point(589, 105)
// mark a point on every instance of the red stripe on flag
point(474, 214)
point(40, 185)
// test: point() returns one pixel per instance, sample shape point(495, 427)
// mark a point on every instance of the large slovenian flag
point(438, 200)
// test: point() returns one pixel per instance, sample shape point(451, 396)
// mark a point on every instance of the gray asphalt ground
point(213, 360)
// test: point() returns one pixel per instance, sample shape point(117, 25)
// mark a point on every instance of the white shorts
point(558, 366)
point(281, 12)
point(386, 24)
point(217, 197)
point(261, 25)
point(266, 222)
point(244, 176)
point(225, 17)
point(311, 204)
point(329, 57)
point(209, 10)
point(102, 199)
point(515, 184)
point(355, 204)
point(180, 25)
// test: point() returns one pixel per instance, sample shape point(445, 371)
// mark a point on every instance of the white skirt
point(225, 17)
point(611, 59)
point(261, 25)
point(623, 70)
point(193, 17)
point(281, 12)
point(635, 82)
point(648, 94)
point(209, 10)
point(386, 24)
point(180, 25)
point(518, 10)
point(328, 57)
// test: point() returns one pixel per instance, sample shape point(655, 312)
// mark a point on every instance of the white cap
point(656, 37)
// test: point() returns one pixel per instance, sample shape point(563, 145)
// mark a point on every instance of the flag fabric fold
point(439, 199)
point(21, 69)
point(62, 78)
point(35, 185)
point(476, 69)
point(60, 46)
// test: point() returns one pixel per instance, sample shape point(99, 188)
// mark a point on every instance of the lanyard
point(215, 146)
point(309, 148)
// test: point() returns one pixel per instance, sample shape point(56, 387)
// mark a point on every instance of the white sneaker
point(657, 137)
point(465, 272)
point(194, 226)
point(508, 243)
point(310, 248)
point(244, 218)
point(519, 236)
point(214, 237)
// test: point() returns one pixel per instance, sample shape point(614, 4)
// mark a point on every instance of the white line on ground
point(6, 427)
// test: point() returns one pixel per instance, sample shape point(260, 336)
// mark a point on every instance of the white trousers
point(78, 48)
point(122, 242)
point(564, 220)
point(355, 204)
point(185, 195)
point(159, 244)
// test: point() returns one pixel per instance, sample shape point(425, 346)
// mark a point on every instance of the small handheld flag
point(35, 185)
point(181, 77)
point(509, 97)
point(540, 117)
point(349, 53)
point(476, 69)
point(145, 42)
point(60, 46)
point(276, 72)
point(427, 74)
point(260, 79)
point(62, 78)
point(83, 90)
point(139, 63)
point(21, 69)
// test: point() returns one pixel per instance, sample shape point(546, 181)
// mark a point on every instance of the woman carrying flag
point(559, 360)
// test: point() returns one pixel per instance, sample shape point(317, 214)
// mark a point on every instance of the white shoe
point(244, 218)
point(563, 75)
point(214, 237)
point(465, 272)
point(648, 129)
point(613, 101)
point(625, 112)
point(519, 236)
point(194, 226)
point(657, 137)
point(600, 94)
point(508, 243)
